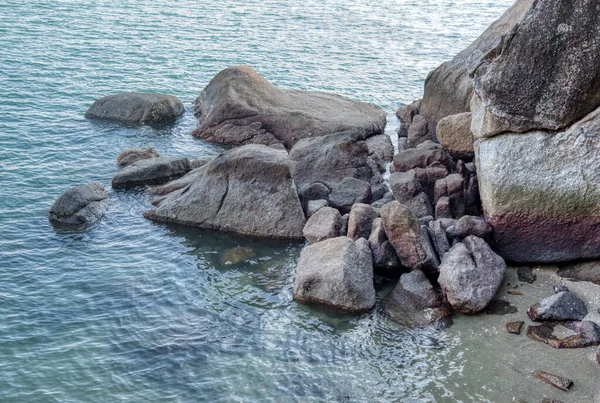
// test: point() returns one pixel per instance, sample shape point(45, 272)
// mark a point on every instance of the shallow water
point(136, 311)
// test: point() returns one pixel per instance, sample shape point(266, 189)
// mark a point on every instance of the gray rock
point(543, 183)
point(554, 48)
point(314, 206)
point(325, 223)
point(425, 220)
point(526, 275)
point(418, 132)
point(429, 176)
point(470, 225)
point(360, 221)
point(383, 253)
point(239, 106)
point(452, 187)
point(80, 205)
point(443, 208)
point(132, 155)
point(337, 272)
point(404, 233)
point(439, 238)
point(381, 150)
point(134, 107)
point(415, 303)
point(470, 275)
point(313, 191)
point(200, 162)
point(586, 334)
point(176, 184)
point(406, 113)
point(560, 288)
point(348, 192)
point(248, 190)
point(329, 159)
point(404, 185)
point(420, 158)
point(562, 306)
point(344, 228)
point(454, 133)
point(449, 88)
point(153, 171)
point(387, 198)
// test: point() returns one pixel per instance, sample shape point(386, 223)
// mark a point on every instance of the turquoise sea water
point(135, 311)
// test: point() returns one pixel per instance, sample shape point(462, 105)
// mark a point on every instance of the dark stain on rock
point(500, 307)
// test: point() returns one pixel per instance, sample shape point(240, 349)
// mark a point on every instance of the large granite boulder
point(403, 230)
point(81, 205)
point(449, 88)
point(470, 275)
point(152, 171)
point(415, 303)
point(541, 192)
point(331, 158)
point(337, 272)
point(239, 106)
point(248, 190)
point(134, 107)
point(546, 74)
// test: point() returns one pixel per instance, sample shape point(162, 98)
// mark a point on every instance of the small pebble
point(560, 288)
point(514, 327)
point(514, 292)
point(526, 275)
point(554, 380)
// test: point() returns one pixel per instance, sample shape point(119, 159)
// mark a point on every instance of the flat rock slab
point(153, 171)
point(248, 190)
point(239, 106)
point(80, 205)
point(554, 380)
point(337, 272)
point(585, 334)
point(561, 306)
point(588, 271)
point(135, 107)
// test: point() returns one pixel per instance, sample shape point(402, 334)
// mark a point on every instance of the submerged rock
point(132, 155)
point(237, 255)
point(134, 107)
point(80, 205)
point(470, 275)
point(337, 272)
point(248, 190)
point(414, 302)
point(562, 306)
point(153, 171)
point(239, 106)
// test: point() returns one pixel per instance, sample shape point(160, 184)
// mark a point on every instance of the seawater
point(135, 311)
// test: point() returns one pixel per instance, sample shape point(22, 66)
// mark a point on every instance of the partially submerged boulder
point(135, 107)
point(248, 190)
point(239, 106)
point(80, 205)
point(132, 155)
point(337, 272)
point(153, 171)
point(470, 275)
point(414, 302)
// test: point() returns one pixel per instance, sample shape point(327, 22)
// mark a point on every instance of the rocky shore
point(497, 163)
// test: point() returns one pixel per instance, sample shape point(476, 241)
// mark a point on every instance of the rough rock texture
point(381, 150)
point(383, 253)
point(420, 158)
point(562, 306)
point(454, 133)
point(514, 327)
point(132, 155)
point(176, 184)
point(452, 186)
point(557, 381)
point(585, 271)
point(418, 131)
point(541, 192)
point(80, 205)
point(331, 158)
point(315, 205)
point(248, 190)
point(133, 107)
point(404, 233)
point(584, 334)
point(415, 303)
point(448, 89)
point(470, 225)
point(348, 192)
point(470, 275)
point(337, 272)
point(546, 74)
point(360, 221)
point(439, 238)
point(239, 106)
point(325, 223)
point(153, 171)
